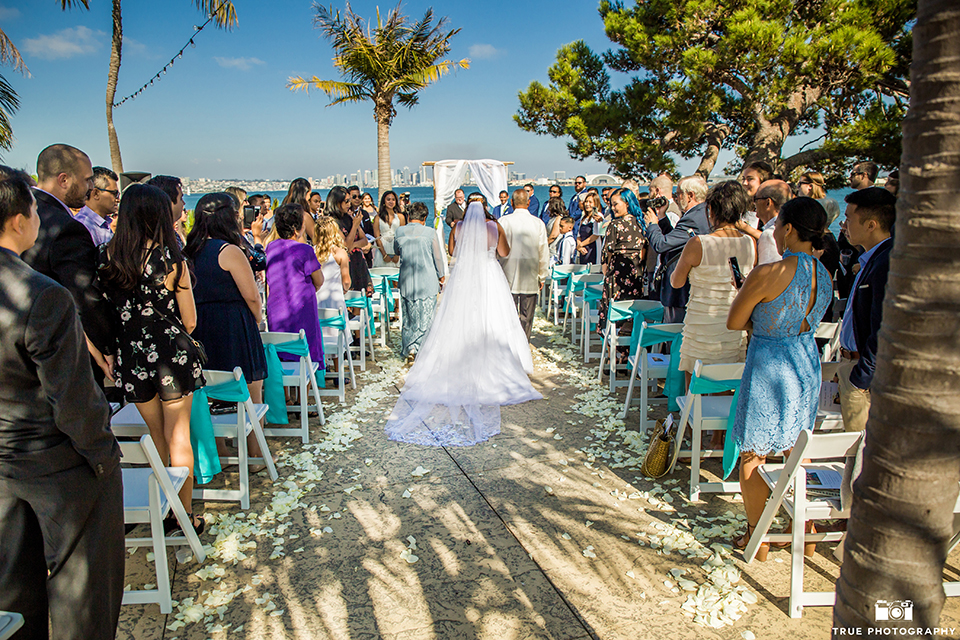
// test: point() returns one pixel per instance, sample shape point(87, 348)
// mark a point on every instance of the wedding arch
point(448, 175)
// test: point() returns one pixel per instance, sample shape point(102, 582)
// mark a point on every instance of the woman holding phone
point(706, 263)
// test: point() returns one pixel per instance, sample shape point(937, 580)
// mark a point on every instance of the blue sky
point(223, 110)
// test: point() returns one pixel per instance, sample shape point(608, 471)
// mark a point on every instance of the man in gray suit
point(61, 493)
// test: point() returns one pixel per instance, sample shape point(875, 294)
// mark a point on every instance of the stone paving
point(545, 531)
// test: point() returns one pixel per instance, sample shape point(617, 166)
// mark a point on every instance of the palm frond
point(9, 54)
point(340, 91)
point(9, 103)
point(223, 12)
point(69, 4)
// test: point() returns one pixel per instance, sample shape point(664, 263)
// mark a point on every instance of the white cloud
point(68, 43)
point(133, 46)
point(9, 13)
point(485, 52)
point(244, 64)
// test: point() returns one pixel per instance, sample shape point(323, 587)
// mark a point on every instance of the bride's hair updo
point(808, 217)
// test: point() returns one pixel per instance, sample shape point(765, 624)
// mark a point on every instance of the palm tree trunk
point(903, 510)
point(384, 174)
point(115, 50)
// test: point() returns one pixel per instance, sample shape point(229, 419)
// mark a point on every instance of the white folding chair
point(706, 413)
point(302, 375)
point(239, 424)
point(596, 268)
point(611, 339)
point(9, 623)
point(575, 300)
point(392, 273)
point(653, 367)
point(789, 489)
point(149, 494)
point(828, 417)
point(557, 283)
point(829, 331)
point(361, 324)
point(590, 315)
point(340, 347)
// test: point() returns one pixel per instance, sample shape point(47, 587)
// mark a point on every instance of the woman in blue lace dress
point(782, 303)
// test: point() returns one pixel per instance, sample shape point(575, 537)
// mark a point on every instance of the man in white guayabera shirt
point(526, 265)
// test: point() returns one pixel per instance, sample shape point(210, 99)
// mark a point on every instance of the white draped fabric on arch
point(448, 175)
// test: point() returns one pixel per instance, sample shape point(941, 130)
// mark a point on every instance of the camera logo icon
point(893, 610)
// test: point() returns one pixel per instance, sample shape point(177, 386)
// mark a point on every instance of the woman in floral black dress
point(622, 259)
point(158, 366)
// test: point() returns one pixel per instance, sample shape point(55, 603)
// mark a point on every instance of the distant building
point(602, 180)
point(559, 176)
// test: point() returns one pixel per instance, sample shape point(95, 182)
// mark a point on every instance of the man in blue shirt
point(555, 192)
point(870, 216)
point(580, 186)
point(101, 208)
point(533, 205)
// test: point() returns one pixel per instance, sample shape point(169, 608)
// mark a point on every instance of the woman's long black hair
point(298, 193)
point(214, 217)
point(335, 198)
point(382, 211)
point(146, 214)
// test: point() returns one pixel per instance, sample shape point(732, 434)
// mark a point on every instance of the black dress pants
point(62, 553)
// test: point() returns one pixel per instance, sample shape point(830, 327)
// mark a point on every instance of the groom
point(526, 264)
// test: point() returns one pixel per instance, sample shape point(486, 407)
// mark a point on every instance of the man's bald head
point(777, 190)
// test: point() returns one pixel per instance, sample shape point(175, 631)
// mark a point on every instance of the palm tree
point(386, 65)
point(224, 16)
point(9, 100)
point(903, 512)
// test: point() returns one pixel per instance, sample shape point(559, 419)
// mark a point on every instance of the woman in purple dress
point(293, 278)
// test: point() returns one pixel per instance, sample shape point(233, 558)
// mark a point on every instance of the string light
point(179, 55)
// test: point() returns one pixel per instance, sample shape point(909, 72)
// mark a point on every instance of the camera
point(250, 214)
point(652, 203)
point(893, 610)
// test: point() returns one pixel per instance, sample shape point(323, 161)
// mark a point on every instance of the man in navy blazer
point(669, 241)
point(504, 207)
point(61, 490)
point(870, 217)
point(64, 250)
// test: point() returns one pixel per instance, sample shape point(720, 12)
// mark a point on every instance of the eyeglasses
point(803, 182)
point(115, 192)
point(579, 182)
point(759, 198)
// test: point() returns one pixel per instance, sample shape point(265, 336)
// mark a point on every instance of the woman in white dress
point(476, 356)
point(385, 226)
point(335, 264)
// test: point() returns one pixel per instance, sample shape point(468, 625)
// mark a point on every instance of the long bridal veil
point(475, 357)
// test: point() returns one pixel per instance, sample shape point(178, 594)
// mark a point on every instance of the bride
point(475, 357)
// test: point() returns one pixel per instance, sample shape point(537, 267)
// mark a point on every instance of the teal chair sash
point(273, 388)
point(364, 303)
point(382, 288)
point(206, 460)
point(650, 316)
point(642, 337)
point(731, 451)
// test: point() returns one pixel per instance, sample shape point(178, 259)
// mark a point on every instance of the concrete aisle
point(545, 531)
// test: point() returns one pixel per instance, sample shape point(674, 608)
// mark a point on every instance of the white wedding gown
point(476, 356)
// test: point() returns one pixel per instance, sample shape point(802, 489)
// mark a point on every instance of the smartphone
point(737, 274)
point(249, 215)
